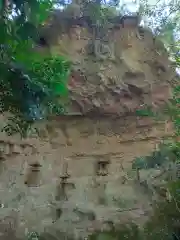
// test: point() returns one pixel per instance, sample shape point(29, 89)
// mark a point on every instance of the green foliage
point(99, 13)
point(54, 75)
point(40, 81)
point(139, 163)
point(174, 109)
point(164, 223)
point(33, 236)
point(53, 72)
point(145, 112)
point(166, 153)
point(164, 19)
point(108, 11)
point(32, 86)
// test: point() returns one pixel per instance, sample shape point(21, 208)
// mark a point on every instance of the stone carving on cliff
point(100, 89)
point(100, 45)
point(33, 176)
point(101, 167)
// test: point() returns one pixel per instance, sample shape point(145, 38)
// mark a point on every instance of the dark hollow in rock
point(130, 75)
point(132, 88)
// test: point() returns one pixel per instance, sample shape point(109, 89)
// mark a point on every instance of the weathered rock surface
point(52, 180)
point(131, 69)
point(32, 196)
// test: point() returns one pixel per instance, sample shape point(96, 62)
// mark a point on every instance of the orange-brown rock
point(130, 71)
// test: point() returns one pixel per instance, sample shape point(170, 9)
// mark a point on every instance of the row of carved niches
point(10, 149)
point(66, 185)
point(33, 175)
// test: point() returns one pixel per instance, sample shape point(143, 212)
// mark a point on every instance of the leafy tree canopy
point(30, 83)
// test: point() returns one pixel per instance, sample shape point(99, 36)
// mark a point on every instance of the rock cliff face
point(74, 183)
point(118, 72)
point(77, 174)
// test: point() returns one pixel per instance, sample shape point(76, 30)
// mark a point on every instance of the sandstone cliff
point(117, 72)
point(78, 175)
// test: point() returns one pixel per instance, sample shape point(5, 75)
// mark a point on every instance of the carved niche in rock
point(33, 176)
